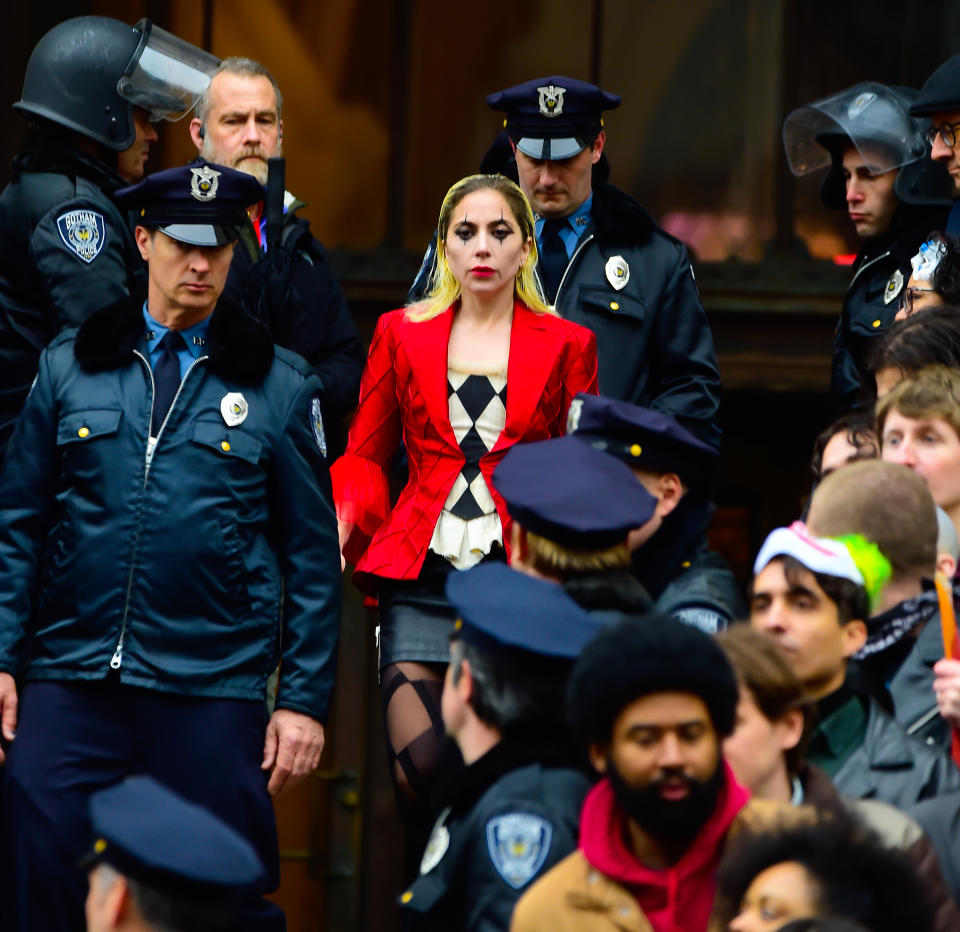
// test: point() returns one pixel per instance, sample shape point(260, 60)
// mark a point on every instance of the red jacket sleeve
point(580, 366)
point(360, 486)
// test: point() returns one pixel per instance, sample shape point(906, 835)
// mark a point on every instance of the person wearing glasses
point(935, 280)
point(880, 172)
point(939, 101)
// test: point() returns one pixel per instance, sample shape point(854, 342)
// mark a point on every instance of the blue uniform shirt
point(572, 230)
point(195, 338)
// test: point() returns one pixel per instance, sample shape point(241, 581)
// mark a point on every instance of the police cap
point(150, 834)
point(941, 91)
point(555, 117)
point(642, 438)
point(572, 494)
point(499, 608)
point(202, 204)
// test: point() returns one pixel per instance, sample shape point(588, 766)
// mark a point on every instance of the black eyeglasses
point(946, 131)
point(909, 295)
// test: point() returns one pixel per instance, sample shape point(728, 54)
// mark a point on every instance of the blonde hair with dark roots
point(551, 559)
point(443, 288)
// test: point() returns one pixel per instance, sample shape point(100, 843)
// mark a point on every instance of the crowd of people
point(589, 724)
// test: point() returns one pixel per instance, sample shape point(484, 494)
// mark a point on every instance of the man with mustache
point(651, 701)
point(295, 292)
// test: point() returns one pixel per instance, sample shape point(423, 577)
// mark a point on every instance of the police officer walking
point(92, 89)
point(167, 535)
point(513, 812)
point(881, 174)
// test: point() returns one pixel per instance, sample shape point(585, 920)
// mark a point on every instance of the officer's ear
point(144, 238)
point(598, 145)
point(854, 637)
point(598, 757)
point(196, 132)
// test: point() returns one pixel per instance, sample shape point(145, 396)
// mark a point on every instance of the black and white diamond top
point(469, 524)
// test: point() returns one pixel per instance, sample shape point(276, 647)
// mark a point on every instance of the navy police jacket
point(514, 814)
point(191, 565)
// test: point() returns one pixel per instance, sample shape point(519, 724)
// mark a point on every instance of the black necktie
point(553, 256)
point(166, 377)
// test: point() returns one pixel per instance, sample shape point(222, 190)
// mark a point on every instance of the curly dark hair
point(923, 339)
point(946, 278)
point(860, 429)
point(857, 876)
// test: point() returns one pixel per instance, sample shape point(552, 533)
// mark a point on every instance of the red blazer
point(403, 395)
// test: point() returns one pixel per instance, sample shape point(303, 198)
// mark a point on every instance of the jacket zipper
point(920, 722)
point(117, 659)
point(580, 246)
point(865, 266)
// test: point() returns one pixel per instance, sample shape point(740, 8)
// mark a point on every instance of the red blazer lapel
point(426, 343)
point(534, 348)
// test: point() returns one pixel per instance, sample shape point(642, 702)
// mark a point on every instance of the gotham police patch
point(702, 618)
point(82, 232)
point(518, 844)
point(316, 423)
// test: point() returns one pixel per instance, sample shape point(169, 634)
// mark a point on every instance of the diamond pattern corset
point(469, 524)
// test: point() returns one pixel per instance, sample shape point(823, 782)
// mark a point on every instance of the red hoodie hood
point(677, 898)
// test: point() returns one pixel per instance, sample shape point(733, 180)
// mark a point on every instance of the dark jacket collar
point(239, 347)
point(909, 228)
point(619, 217)
point(42, 152)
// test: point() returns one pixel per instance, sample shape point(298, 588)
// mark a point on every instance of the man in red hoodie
point(652, 702)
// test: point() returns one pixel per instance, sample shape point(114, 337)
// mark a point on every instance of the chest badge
point(573, 415)
point(234, 408)
point(437, 844)
point(518, 843)
point(316, 423)
point(893, 287)
point(617, 272)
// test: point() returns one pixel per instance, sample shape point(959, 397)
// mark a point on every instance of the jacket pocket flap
point(612, 302)
point(227, 441)
point(85, 425)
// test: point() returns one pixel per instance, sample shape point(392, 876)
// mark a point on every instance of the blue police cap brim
point(551, 149)
point(499, 608)
point(201, 234)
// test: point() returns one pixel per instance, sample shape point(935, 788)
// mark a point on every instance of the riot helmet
point(88, 73)
point(874, 119)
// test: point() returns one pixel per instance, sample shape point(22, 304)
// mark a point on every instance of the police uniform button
point(614, 306)
point(225, 446)
point(407, 897)
point(876, 323)
point(100, 845)
point(83, 432)
point(636, 449)
point(685, 564)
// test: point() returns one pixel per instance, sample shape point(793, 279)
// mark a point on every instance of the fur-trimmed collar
point(617, 216)
point(238, 346)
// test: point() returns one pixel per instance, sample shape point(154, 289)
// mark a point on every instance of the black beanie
point(635, 658)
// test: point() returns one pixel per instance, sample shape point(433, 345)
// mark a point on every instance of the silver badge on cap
point(204, 183)
point(617, 271)
point(234, 408)
point(894, 287)
point(551, 100)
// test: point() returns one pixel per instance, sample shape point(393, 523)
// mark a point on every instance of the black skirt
point(416, 620)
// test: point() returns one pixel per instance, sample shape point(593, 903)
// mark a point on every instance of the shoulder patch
point(518, 844)
point(316, 423)
point(703, 618)
point(83, 232)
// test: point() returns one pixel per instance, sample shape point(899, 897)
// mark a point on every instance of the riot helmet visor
point(869, 116)
point(166, 75)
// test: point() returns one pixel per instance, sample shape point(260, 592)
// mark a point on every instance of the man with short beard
point(295, 292)
point(651, 702)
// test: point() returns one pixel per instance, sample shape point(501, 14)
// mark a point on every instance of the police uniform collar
point(47, 152)
point(238, 347)
point(619, 218)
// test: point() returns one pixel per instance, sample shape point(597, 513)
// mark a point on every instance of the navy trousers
point(76, 738)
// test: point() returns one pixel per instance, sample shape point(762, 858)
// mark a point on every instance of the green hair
point(869, 559)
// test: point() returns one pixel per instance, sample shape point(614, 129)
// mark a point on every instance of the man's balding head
point(889, 505)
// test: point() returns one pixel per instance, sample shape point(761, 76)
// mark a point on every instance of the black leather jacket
point(45, 282)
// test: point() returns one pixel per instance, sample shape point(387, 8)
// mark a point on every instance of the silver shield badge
point(204, 183)
point(617, 271)
point(893, 287)
point(573, 415)
point(234, 408)
point(518, 843)
point(551, 100)
point(437, 844)
point(316, 422)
